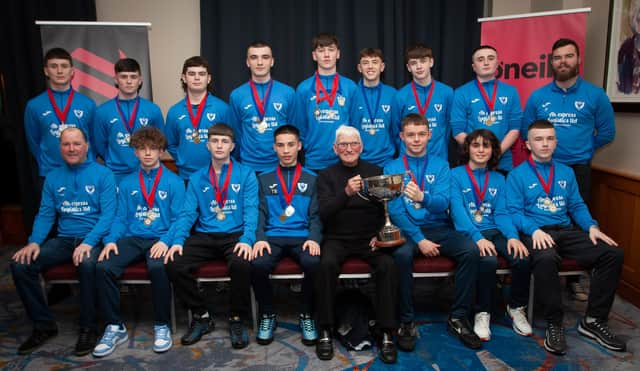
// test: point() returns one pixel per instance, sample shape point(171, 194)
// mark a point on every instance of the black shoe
point(407, 335)
point(87, 340)
point(324, 346)
point(238, 333)
point(38, 338)
point(199, 326)
point(600, 332)
point(388, 353)
point(554, 341)
point(461, 329)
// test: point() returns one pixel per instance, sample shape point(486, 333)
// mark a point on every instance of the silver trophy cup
point(384, 188)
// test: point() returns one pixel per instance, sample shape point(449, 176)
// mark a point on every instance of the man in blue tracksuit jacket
point(324, 102)
point(486, 103)
point(580, 111)
point(116, 120)
point(148, 204)
point(288, 224)
point(59, 107)
point(189, 119)
point(478, 209)
point(81, 196)
point(258, 107)
point(372, 114)
point(222, 201)
point(545, 205)
point(428, 97)
point(421, 214)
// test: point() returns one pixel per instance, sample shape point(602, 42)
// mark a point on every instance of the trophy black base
point(390, 237)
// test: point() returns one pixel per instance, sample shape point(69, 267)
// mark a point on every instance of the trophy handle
point(363, 196)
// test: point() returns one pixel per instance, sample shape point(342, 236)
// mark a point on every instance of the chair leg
point(531, 296)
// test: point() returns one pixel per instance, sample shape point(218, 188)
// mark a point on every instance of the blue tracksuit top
point(470, 112)
point(111, 138)
point(42, 127)
point(305, 222)
point(433, 209)
point(83, 197)
point(240, 209)
point(191, 156)
point(380, 137)
point(319, 133)
point(133, 208)
point(583, 118)
point(438, 114)
point(256, 148)
point(463, 204)
point(525, 198)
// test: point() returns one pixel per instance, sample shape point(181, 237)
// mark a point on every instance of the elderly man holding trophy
point(351, 223)
point(421, 213)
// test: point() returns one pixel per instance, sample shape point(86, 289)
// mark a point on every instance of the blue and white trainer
point(162, 340)
point(266, 328)
point(308, 329)
point(113, 336)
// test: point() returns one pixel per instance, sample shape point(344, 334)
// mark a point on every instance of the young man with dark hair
point(117, 119)
point(222, 201)
point(258, 107)
point(288, 224)
point(545, 205)
point(148, 204)
point(427, 97)
point(421, 214)
point(350, 223)
point(486, 103)
point(189, 119)
point(59, 107)
point(372, 114)
point(478, 209)
point(324, 102)
point(81, 197)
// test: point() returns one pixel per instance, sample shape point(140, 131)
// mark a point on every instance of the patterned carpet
point(435, 350)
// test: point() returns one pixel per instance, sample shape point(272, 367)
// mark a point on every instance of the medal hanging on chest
point(478, 194)
point(128, 123)
point(220, 193)
point(287, 194)
point(547, 187)
point(489, 103)
point(61, 115)
point(422, 171)
point(195, 120)
point(150, 197)
point(261, 105)
point(322, 94)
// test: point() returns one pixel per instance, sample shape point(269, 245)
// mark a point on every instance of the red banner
point(524, 50)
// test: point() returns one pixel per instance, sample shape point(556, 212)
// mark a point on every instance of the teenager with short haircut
point(222, 201)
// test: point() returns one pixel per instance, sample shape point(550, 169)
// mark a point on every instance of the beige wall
point(624, 153)
point(174, 36)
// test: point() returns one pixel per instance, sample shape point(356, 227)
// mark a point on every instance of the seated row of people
point(468, 214)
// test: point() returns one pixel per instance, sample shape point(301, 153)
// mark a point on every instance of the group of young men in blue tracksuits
point(242, 194)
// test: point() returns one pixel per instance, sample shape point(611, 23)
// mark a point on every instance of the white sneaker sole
point(99, 354)
point(584, 332)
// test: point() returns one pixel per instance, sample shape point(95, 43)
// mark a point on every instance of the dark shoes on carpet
point(38, 338)
point(461, 329)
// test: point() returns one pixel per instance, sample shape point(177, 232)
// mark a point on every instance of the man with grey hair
point(350, 222)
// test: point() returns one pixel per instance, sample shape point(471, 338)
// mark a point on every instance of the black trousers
point(198, 249)
point(385, 273)
point(605, 262)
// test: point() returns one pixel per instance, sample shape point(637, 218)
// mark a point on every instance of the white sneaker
point(519, 318)
point(481, 326)
point(161, 338)
point(113, 336)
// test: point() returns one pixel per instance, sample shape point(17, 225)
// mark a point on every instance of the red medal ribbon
point(288, 194)
point(490, 103)
point(195, 121)
point(150, 198)
point(422, 109)
point(221, 194)
point(424, 170)
point(326, 96)
point(545, 186)
point(476, 188)
point(256, 97)
point(128, 124)
point(61, 115)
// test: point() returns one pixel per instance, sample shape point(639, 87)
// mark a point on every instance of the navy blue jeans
point(131, 250)
point(487, 274)
point(454, 245)
point(54, 252)
point(263, 265)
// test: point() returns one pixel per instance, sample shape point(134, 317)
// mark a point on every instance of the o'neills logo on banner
point(95, 48)
point(540, 69)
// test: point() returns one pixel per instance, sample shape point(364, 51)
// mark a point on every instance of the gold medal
point(262, 127)
point(477, 216)
point(547, 201)
point(220, 216)
point(553, 208)
point(148, 221)
point(196, 137)
point(490, 120)
point(372, 131)
point(283, 217)
point(151, 215)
